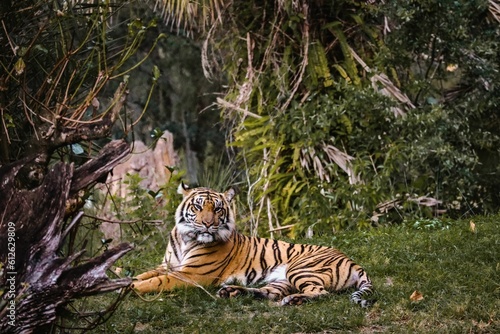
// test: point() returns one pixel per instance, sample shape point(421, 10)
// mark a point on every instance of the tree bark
point(35, 277)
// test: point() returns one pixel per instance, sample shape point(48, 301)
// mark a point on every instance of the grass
point(457, 271)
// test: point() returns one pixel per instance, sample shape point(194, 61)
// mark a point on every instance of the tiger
point(205, 249)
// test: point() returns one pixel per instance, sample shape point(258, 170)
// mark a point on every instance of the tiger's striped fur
point(205, 248)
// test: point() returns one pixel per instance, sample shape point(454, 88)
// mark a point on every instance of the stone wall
point(149, 164)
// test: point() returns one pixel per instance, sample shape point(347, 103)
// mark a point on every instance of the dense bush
point(351, 114)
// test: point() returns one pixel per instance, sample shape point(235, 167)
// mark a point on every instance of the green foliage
point(335, 117)
point(145, 214)
point(451, 74)
point(218, 173)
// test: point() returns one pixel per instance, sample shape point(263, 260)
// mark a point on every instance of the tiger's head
point(204, 215)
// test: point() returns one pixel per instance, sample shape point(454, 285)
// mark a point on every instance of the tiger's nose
point(208, 219)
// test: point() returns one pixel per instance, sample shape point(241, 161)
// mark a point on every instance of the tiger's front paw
point(229, 291)
point(293, 300)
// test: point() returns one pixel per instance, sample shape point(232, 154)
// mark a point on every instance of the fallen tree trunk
point(36, 278)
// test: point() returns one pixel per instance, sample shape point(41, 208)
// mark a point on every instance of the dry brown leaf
point(472, 226)
point(481, 324)
point(139, 327)
point(388, 281)
point(416, 296)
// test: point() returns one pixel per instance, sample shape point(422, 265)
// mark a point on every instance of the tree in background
point(353, 113)
point(183, 102)
point(63, 85)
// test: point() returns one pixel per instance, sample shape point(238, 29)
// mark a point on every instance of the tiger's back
point(205, 248)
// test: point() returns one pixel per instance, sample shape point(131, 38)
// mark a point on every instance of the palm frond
point(189, 16)
point(494, 8)
point(382, 84)
point(309, 159)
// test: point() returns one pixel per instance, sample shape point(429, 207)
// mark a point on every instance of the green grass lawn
point(457, 271)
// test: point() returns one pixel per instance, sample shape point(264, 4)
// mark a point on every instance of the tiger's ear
point(229, 194)
point(183, 189)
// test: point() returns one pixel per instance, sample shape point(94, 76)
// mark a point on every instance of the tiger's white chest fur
point(278, 274)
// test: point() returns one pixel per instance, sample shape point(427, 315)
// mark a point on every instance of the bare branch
point(59, 136)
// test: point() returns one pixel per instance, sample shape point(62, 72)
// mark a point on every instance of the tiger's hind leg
point(364, 289)
point(273, 291)
point(308, 292)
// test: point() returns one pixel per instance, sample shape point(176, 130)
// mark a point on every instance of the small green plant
point(430, 224)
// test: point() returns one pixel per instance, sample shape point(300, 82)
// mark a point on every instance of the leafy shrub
point(351, 115)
